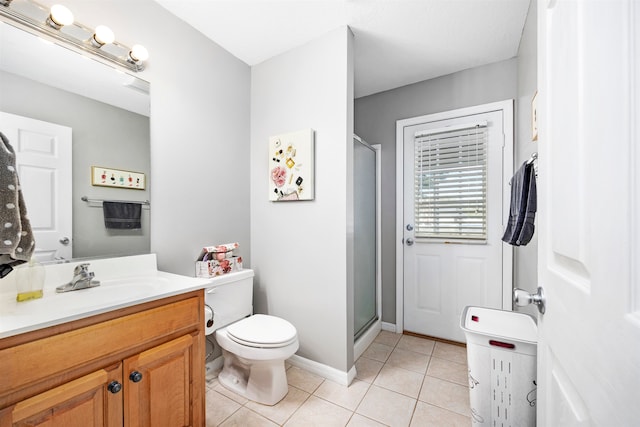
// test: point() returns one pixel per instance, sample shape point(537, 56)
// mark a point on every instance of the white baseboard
point(344, 378)
point(333, 374)
point(391, 327)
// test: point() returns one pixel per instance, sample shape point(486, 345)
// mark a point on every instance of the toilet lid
point(261, 330)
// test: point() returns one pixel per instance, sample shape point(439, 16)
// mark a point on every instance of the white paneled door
point(43, 161)
point(453, 209)
point(589, 199)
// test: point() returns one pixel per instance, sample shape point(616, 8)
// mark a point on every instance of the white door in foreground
point(589, 336)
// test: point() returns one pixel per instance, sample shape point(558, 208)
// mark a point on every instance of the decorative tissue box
point(217, 260)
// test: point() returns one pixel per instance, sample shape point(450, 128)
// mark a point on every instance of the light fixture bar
point(122, 57)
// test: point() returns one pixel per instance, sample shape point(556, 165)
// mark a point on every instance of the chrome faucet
point(82, 279)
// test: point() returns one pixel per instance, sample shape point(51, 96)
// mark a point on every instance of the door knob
point(522, 298)
point(409, 241)
point(65, 241)
point(135, 376)
point(114, 387)
point(409, 227)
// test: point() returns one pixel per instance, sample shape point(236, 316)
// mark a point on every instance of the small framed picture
point(108, 177)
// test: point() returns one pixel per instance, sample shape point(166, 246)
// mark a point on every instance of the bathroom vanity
point(131, 354)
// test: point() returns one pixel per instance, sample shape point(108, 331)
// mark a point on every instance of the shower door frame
point(367, 337)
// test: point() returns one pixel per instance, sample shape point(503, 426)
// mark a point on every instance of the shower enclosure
point(366, 238)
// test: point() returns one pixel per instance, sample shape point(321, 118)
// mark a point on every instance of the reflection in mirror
point(105, 113)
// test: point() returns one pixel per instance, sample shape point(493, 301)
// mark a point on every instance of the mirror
point(108, 113)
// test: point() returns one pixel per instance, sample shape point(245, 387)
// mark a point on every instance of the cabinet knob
point(114, 387)
point(135, 376)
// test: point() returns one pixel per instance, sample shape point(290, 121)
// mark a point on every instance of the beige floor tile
point(358, 420)
point(302, 379)
point(219, 408)
point(320, 413)
point(419, 345)
point(410, 360)
point(455, 353)
point(246, 418)
point(377, 351)
point(448, 370)
point(228, 393)
point(427, 415)
point(445, 394)
point(390, 389)
point(347, 397)
point(400, 380)
point(388, 338)
point(387, 407)
point(367, 369)
point(281, 411)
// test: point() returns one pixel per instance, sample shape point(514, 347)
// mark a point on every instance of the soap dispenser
point(29, 280)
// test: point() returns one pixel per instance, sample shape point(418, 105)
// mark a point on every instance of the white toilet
point(255, 347)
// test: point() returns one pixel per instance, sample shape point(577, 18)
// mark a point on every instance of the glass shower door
point(365, 310)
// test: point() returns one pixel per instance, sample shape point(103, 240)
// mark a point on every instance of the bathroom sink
point(131, 287)
point(135, 282)
point(113, 291)
point(124, 281)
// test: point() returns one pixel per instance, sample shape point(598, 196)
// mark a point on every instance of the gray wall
point(300, 249)
point(199, 130)
point(375, 122)
point(526, 257)
point(103, 135)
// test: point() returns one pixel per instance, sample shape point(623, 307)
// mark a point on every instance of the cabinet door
point(86, 401)
point(159, 388)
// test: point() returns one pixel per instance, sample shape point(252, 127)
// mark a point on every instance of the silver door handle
point(409, 241)
point(522, 298)
point(65, 241)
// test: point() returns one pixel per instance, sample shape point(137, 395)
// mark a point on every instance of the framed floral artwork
point(291, 166)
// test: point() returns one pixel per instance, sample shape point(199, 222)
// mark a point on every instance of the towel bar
point(88, 200)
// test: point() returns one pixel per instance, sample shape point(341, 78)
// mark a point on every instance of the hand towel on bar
point(16, 237)
point(122, 215)
point(522, 213)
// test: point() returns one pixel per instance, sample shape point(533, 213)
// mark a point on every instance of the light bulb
point(59, 16)
point(138, 53)
point(102, 35)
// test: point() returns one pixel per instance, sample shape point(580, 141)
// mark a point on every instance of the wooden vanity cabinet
point(138, 366)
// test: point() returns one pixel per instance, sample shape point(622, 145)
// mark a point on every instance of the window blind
point(450, 198)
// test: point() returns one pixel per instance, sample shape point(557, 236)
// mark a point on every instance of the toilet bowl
point(254, 351)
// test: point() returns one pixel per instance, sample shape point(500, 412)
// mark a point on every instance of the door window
point(450, 193)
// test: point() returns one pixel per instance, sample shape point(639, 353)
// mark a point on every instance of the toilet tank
point(230, 297)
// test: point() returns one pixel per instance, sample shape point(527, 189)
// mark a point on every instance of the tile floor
point(401, 381)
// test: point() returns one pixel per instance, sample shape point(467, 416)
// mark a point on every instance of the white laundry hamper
point(501, 355)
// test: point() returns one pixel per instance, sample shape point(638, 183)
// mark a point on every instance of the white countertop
point(124, 282)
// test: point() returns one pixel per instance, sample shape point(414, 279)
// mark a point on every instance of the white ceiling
point(397, 42)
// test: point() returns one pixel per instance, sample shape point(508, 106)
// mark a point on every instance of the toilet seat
point(262, 331)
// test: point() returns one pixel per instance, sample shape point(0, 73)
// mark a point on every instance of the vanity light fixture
point(57, 24)
point(138, 54)
point(59, 17)
point(101, 36)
